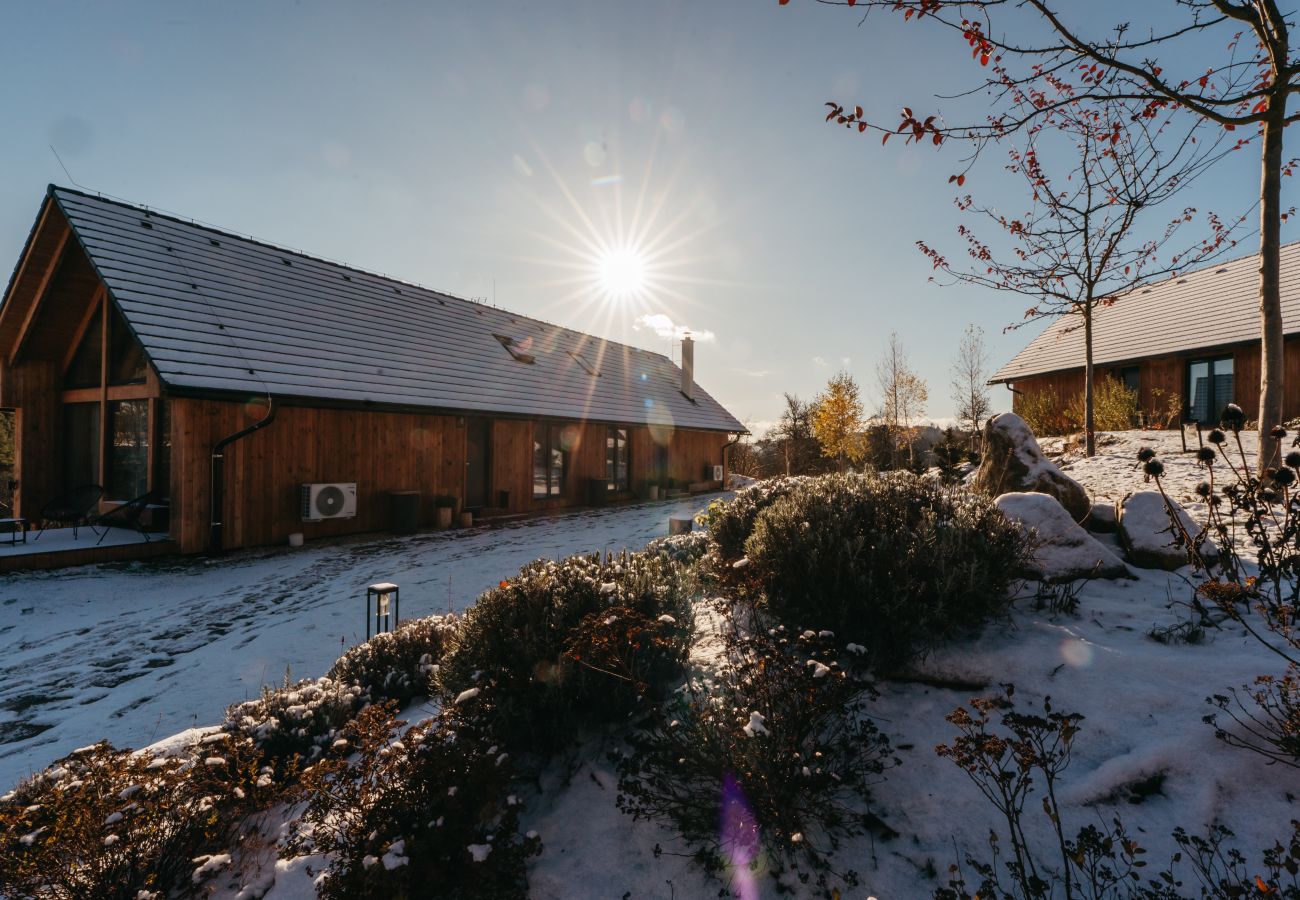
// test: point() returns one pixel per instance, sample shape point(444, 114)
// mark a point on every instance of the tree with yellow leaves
point(837, 421)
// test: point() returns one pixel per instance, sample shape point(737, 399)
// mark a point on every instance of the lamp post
point(385, 606)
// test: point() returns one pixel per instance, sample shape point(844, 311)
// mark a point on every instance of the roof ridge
point(54, 190)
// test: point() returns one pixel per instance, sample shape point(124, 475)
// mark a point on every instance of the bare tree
point(903, 395)
point(970, 375)
point(1091, 173)
point(794, 435)
point(1247, 86)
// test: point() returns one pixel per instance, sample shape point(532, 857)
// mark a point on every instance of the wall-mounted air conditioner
point(328, 501)
point(717, 473)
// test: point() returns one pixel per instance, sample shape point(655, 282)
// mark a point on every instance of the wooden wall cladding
point(381, 452)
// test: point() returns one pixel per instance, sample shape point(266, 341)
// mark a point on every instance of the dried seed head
point(1293, 459)
point(1145, 454)
point(1203, 489)
point(1154, 468)
point(1216, 436)
point(1268, 495)
point(1206, 455)
point(1283, 477)
point(1278, 432)
point(1233, 417)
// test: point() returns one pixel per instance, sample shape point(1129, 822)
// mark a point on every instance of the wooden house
point(1188, 345)
point(147, 353)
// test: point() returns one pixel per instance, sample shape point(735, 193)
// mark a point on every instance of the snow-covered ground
point(1143, 701)
point(135, 652)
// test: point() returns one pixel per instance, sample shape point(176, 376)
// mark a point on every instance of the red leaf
point(782, 2)
point(862, 126)
point(857, 111)
point(961, 179)
point(884, 140)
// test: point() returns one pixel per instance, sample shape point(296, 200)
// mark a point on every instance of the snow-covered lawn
point(171, 646)
point(135, 652)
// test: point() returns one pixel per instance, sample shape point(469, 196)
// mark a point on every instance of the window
point(616, 467)
point(80, 444)
point(1209, 388)
point(517, 349)
point(84, 370)
point(125, 355)
point(1132, 377)
point(128, 448)
point(550, 459)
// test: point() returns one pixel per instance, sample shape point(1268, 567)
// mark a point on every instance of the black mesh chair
point(72, 508)
point(126, 515)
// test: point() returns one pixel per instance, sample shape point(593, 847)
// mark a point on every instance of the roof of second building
point(219, 312)
point(1211, 307)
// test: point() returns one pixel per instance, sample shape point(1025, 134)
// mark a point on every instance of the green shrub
point(729, 522)
point(892, 562)
point(118, 825)
point(295, 720)
point(779, 735)
point(396, 665)
point(399, 816)
point(515, 637)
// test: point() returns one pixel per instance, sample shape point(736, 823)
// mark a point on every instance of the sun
point(621, 272)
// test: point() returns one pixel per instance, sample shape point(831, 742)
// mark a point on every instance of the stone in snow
point(1102, 519)
point(1149, 536)
point(1064, 551)
point(1014, 463)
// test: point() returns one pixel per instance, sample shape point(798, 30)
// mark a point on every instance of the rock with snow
point(1063, 550)
point(1102, 519)
point(1014, 463)
point(1149, 536)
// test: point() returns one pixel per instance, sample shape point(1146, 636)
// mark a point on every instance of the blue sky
point(497, 150)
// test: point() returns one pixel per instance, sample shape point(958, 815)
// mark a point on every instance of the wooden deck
point(57, 548)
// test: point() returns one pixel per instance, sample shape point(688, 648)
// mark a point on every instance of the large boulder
point(1063, 550)
point(1149, 536)
point(1014, 463)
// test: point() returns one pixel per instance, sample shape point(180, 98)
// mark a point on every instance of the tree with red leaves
point(1247, 87)
point(1078, 246)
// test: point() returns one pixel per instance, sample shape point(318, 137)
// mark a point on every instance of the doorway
point(478, 461)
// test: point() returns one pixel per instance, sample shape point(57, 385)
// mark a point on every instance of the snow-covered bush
point(779, 734)
point(108, 823)
point(426, 814)
point(515, 637)
point(396, 665)
point(892, 562)
point(730, 522)
point(295, 720)
point(681, 548)
point(622, 658)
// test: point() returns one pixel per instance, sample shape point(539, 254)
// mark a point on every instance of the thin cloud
point(818, 361)
point(755, 373)
point(664, 327)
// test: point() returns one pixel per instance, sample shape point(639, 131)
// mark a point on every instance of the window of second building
point(1209, 388)
point(616, 459)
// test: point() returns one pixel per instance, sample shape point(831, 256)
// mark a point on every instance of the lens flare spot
point(738, 839)
point(1077, 653)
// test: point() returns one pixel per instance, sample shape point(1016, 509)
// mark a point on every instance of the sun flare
point(621, 272)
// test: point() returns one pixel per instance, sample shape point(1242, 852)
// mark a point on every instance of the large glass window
point(128, 448)
point(84, 371)
point(1209, 388)
point(616, 467)
point(80, 444)
point(125, 355)
point(550, 455)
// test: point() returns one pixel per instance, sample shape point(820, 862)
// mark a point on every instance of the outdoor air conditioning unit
point(328, 501)
point(717, 473)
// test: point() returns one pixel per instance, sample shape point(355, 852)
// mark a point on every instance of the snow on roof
point(219, 312)
point(1212, 307)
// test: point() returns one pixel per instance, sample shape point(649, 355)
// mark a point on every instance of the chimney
point(688, 366)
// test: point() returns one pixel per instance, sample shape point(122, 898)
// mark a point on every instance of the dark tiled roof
point(219, 312)
point(1211, 307)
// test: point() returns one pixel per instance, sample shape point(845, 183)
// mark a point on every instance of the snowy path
point(135, 652)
